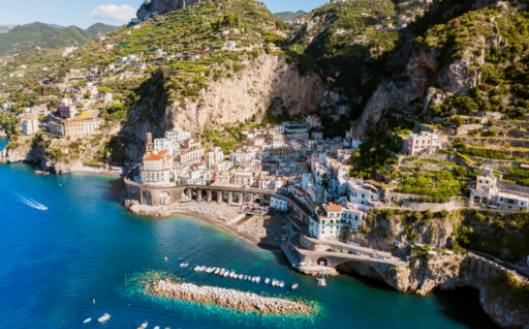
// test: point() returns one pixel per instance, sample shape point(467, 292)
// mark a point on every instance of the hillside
point(5, 28)
point(24, 38)
point(372, 70)
point(225, 69)
point(290, 16)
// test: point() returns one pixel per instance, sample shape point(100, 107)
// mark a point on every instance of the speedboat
point(87, 320)
point(144, 325)
point(104, 318)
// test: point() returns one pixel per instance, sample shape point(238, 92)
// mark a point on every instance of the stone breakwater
point(229, 298)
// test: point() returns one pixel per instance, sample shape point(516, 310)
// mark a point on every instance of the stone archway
point(322, 261)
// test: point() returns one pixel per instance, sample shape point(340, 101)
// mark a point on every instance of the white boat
point(295, 286)
point(267, 281)
point(321, 282)
point(157, 327)
point(87, 320)
point(144, 325)
point(104, 318)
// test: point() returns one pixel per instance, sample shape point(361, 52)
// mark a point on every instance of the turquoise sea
point(86, 248)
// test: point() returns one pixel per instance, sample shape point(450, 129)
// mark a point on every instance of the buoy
point(166, 258)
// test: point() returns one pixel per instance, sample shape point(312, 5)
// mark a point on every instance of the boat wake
point(32, 203)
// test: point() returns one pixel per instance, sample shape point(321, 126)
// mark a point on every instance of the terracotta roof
point(154, 157)
point(333, 207)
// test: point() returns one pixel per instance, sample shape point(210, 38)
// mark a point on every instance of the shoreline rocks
point(228, 298)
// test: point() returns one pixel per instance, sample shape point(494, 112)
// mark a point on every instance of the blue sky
point(86, 12)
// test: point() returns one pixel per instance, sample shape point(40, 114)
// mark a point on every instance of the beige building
point(29, 124)
point(81, 128)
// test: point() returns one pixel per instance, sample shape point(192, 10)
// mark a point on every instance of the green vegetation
point(502, 235)
point(26, 38)
point(229, 138)
point(290, 16)
point(344, 44)
point(511, 290)
point(519, 176)
point(375, 159)
point(503, 39)
point(435, 181)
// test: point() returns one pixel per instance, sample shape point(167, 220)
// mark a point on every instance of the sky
point(84, 13)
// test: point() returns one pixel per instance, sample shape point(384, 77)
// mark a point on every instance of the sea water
point(85, 256)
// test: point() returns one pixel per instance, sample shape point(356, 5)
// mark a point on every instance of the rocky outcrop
point(410, 90)
point(158, 7)
point(446, 270)
point(228, 298)
point(267, 83)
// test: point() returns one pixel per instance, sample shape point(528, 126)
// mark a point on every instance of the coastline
point(165, 212)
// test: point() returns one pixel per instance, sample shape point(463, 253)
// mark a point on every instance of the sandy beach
point(262, 231)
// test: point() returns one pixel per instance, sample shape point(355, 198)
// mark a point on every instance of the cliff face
point(162, 6)
point(433, 72)
point(436, 267)
point(267, 83)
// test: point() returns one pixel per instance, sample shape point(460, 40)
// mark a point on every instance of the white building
point(279, 203)
point(488, 192)
point(29, 124)
point(336, 222)
point(423, 142)
point(361, 193)
point(243, 178)
point(156, 169)
point(215, 157)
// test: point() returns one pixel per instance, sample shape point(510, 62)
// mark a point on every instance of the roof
point(153, 157)
point(333, 207)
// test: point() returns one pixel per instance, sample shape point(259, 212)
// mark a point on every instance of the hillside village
point(416, 157)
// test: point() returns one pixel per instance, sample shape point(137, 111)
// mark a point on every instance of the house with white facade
point(425, 142)
point(29, 124)
point(334, 222)
point(362, 193)
point(488, 192)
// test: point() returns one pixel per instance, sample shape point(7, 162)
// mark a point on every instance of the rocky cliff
point(159, 7)
point(434, 71)
point(425, 240)
point(266, 83)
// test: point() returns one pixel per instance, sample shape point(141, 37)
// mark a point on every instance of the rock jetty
point(229, 298)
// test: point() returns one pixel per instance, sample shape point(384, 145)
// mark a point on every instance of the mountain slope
point(290, 16)
point(29, 37)
point(99, 30)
